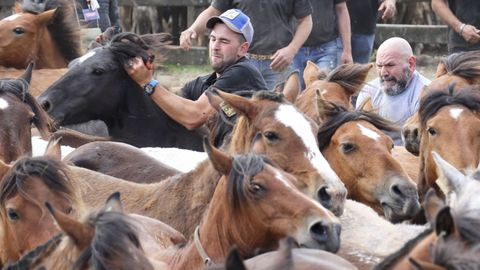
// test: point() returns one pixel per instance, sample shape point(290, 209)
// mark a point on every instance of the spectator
point(329, 42)
point(230, 39)
point(99, 14)
point(363, 19)
point(463, 18)
point(275, 42)
point(395, 94)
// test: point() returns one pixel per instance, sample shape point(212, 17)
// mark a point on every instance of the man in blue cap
point(230, 39)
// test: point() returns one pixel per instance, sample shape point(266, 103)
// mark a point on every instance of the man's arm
point(284, 56)
point(466, 31)
point(191, 114)
point(198, 27)
point(343, 22)
point(388, 9)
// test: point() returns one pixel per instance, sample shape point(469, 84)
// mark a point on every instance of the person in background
point(395, 94)
point(99, 13)
point(463, 19)
point(231, 35)
point(276, 41)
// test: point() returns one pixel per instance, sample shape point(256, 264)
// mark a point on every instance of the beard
point(400, 83)
point(220, 67)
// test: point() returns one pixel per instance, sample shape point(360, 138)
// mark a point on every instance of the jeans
point(272, 78)
point(324, 56)
point(362, 46)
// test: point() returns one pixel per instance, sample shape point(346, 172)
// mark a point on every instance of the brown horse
point(18, 110)
point(41, 78)
point(51, 39)
point(459, 70)
point(361, 155)
point(338, 87)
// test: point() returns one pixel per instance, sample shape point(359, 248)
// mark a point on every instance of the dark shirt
point(363, 16)
point(272, 20)
point(324, 19)
point(108, 13)
point(238, 77)
point(468, 12)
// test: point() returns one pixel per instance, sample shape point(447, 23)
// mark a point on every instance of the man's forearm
point(343, 20)
point(440, 7)
point(304, 28)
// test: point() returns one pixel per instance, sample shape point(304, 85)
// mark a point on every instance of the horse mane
point(464, 64)
point(269, 95)
point(455, 255)
point(53, 173)
point(338, 115)
point(347, 76)
point(391, 259)
point(435, 100)
point(19, 88)
point(65, 30)
point(115, 237)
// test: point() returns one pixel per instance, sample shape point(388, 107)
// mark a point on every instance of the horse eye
point(347, 147)
point(12, 214)
point(69, 210)
point(98, 71)
point(432, 131)
point(271, 136)
point(18, 31)
point(256, 188)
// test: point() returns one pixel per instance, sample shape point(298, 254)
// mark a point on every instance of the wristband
point(461, 29)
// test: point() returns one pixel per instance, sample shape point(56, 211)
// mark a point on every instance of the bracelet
point(461, 29)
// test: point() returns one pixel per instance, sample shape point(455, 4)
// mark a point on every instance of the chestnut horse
point(361, 154)
point(18, 111)
point(458, 69)
point(51, 39)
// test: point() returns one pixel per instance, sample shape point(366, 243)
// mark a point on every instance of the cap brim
point(214, 20)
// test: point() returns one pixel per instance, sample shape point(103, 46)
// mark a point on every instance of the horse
point(18, 111)
point(458, 69)
point(449, 123)
point(361, 154)
point(51, 39)
point(338, 86)
point(98, 87)
point(41, 78)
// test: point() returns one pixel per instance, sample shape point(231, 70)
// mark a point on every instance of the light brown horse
point(51, 39)
point(18, 111)
point(458, 70)
point(361, 154)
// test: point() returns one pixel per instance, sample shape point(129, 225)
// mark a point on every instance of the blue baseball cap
point(236, 20)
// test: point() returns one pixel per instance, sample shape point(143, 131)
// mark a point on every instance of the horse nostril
point(395, 190)
point(46, 105)
point(415, 133)
point(324, 198)
point(319, 232)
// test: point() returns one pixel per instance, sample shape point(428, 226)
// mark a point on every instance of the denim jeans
point(362, 46)
point(272, 78)
point(324, 56)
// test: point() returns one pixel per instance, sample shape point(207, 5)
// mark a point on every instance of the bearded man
point(395, 94)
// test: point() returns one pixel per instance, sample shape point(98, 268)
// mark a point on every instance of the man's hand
point(387, 8)
point(186, 39)
point(138, 71)
point(471, 34)
point(282, 59)
point(346, 58)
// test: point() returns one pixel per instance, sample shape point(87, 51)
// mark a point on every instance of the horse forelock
point(464, 64)
point(126, 46)
point(18, 87)
point(269, 95)
point(350, 77)
point(435, 100)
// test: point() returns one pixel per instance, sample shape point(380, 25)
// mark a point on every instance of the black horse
point(98, 87)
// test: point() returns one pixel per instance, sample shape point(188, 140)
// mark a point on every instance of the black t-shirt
point(272, 20)
point(238, 77)
point(468, 12)
point(363, 16)
point(324, 20)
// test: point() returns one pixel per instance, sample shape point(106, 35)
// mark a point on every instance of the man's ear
point(412, 63)
point(243, 49)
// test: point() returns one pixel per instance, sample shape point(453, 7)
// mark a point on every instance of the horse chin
point(399, 214)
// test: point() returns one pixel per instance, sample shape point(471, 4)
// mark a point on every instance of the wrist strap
point(461, 29)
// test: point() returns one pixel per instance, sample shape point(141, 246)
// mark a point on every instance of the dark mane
point(338, 115)
point(53, 174)
point(347, 76)
point(115, 244)
point(455, 255)
point(244, 167)
point(269, 95)
point(389, 261)
point(435, 100)
point(65, 29)
point(464, 64)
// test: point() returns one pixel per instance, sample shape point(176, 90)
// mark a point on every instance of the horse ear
point(239, 104)
point(214, 100)
point(312, 73)
point(46, 17)
point(234, 261)
point(423, 265)
point(27, 75)
point(3, 169)
point(286, 246)
point(432, 204)
point(450, 179)
point(220, 161)
point(324, 107)
point(53, 149)
point(292, 87)
point(366, 105)
point(441, 70)
point(113, 203)
point(444, 222)
point(80, 233)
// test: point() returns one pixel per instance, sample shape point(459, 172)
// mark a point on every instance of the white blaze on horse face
point(282, 179)
point(3, 104)
point(368, 132)
point(12, 17)
point(291, 117)
point(455, 113)
point(84, 57)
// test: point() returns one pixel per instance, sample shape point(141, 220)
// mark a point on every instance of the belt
point(260, 57)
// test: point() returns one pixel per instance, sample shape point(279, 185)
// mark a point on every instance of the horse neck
point(48, 54)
